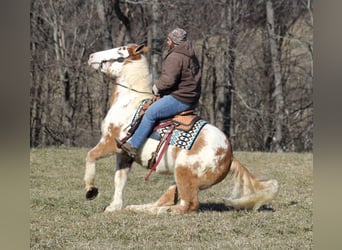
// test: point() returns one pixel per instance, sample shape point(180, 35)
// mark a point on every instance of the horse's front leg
point(101, 150)
point(123, 167)
point(89, 179)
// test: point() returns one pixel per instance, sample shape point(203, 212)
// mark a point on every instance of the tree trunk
point(267, 91)
point(223, 105)
point(278, 88)
point(155, 32)
point(104, 11)
point(126, 29)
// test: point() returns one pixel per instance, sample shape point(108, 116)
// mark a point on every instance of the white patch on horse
point(207, 158)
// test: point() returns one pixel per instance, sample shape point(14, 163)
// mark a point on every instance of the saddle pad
point(180, 138)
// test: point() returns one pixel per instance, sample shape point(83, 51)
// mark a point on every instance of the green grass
point(61, 217)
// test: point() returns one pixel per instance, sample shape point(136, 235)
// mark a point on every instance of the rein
point(153, 162)
point(141, 92)
point(120, 60)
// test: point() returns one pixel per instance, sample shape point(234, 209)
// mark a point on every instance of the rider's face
point(169, 43)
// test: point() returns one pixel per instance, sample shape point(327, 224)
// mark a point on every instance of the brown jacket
point(181, 74)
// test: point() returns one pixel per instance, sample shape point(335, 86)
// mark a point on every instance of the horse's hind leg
point(162, 205)
point(188, 188)
point(169, 198)
point(101, 150)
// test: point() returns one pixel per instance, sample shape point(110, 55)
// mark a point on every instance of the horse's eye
point(120, 59)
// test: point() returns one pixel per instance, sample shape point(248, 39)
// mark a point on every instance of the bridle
point(120, 60)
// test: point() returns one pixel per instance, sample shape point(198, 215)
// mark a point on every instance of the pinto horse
point(207, 163)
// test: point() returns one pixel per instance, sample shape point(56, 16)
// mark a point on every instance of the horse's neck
point(133, 86)
point(136, 75)
point(135, 89)
point(124, 102)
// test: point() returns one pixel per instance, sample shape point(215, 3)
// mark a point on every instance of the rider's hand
point(155, 90)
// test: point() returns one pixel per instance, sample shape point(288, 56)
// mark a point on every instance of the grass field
point(61, 217)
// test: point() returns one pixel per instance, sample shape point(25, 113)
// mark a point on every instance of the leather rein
point(120, 60)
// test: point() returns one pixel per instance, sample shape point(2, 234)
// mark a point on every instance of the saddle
point(183, 121)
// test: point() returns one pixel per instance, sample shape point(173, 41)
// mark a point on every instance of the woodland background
point(256, 57)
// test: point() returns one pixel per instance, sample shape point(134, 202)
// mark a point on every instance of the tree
point(278, 87)
point(256, 70)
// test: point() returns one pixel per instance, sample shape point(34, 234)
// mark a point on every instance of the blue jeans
point(165, 107)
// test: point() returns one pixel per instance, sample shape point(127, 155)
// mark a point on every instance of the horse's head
point(112, 61)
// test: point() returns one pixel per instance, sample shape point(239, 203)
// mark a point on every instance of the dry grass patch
point(61, 217)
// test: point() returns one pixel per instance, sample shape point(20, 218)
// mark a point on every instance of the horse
point(207, 163)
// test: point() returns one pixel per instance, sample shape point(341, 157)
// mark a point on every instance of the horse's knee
point(91, 155)
point(169, 198)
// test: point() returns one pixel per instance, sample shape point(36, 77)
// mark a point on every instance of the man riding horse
point(179, 86)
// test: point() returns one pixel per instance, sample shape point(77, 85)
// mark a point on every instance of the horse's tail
point(249, 192)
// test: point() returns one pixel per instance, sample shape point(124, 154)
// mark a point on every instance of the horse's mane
point(136, 73)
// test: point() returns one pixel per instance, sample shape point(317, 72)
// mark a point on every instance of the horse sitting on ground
point(207, 163)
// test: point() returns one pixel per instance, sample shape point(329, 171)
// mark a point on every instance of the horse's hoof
point(92, 193)
point(108, 209)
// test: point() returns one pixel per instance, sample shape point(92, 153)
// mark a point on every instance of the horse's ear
point(141, 49)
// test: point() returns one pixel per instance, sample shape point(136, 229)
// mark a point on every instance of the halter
point(120, 60)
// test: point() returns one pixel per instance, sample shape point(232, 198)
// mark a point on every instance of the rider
point(179, 86)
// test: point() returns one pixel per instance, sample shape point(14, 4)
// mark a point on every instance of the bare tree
point(153, 40)
point(256, 70)
point(278, 87)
